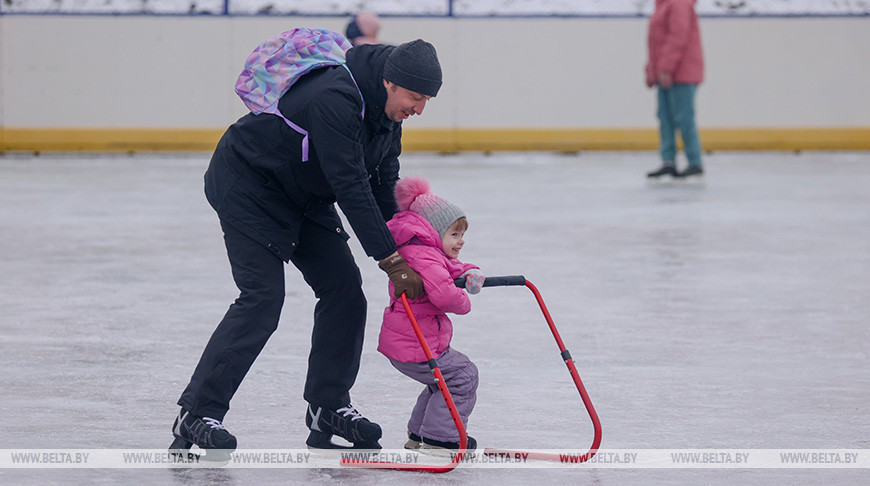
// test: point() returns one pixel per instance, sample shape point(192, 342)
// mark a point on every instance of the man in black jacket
point(274, 188)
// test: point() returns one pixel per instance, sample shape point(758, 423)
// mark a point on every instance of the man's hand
point(404, 278)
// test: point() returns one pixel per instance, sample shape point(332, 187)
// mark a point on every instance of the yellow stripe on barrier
point(108, 139)
point(446, 140)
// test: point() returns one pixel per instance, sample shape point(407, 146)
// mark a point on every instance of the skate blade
point(665, 180)
point(695, 180)
point(210, 458)
point(433, 451)
point(216, 457)
point(180, 451)
point(321, 442)
point(668, 181)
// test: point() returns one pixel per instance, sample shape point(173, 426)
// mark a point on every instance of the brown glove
point(404, 278)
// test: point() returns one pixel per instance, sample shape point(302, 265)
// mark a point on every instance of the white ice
point(728, 315)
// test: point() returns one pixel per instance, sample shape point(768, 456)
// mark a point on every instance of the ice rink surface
point(732, 315)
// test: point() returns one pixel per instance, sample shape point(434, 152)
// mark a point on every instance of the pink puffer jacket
point(674, 42)
point(420, 245)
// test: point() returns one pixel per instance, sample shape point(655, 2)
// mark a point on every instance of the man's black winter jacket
point(257, 182)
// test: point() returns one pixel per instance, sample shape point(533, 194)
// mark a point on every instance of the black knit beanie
point(352, 31)
point(414, 66)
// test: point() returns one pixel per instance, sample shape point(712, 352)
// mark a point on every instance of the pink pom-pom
point(408, 189)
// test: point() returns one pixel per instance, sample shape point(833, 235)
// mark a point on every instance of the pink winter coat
point(674, 42)
point(420, 245)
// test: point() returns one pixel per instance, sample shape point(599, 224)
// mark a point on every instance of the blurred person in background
point(363, 29)
point(676, 65)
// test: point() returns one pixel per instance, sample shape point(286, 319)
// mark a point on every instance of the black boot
point(693, 171)
point(666, 172)
point(207, 433)
point(414, 441)
point(437, 444)
point(344, 422)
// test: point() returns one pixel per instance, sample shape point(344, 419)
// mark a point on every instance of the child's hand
point(473, 280)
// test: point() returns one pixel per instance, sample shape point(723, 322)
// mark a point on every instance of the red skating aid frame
point(457, 420)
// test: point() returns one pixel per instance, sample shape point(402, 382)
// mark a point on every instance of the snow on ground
point(730, 315)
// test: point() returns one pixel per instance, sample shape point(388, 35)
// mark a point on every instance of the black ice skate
point(207, 433)
point(346, 423)
point(692, 173)
point(665, 173)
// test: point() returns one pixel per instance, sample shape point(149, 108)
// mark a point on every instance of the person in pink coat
point(429, 234)
point(676, 65)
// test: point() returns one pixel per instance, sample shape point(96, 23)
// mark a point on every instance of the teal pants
point(676, 111)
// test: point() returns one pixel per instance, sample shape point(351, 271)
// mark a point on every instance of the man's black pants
point(327, 265)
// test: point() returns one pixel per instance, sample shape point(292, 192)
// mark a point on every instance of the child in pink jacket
point(429, 235)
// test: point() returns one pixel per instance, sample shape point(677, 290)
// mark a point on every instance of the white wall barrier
point(166, 83)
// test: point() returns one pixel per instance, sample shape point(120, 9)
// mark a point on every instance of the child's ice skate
point(439, 448)
point(414, 441)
